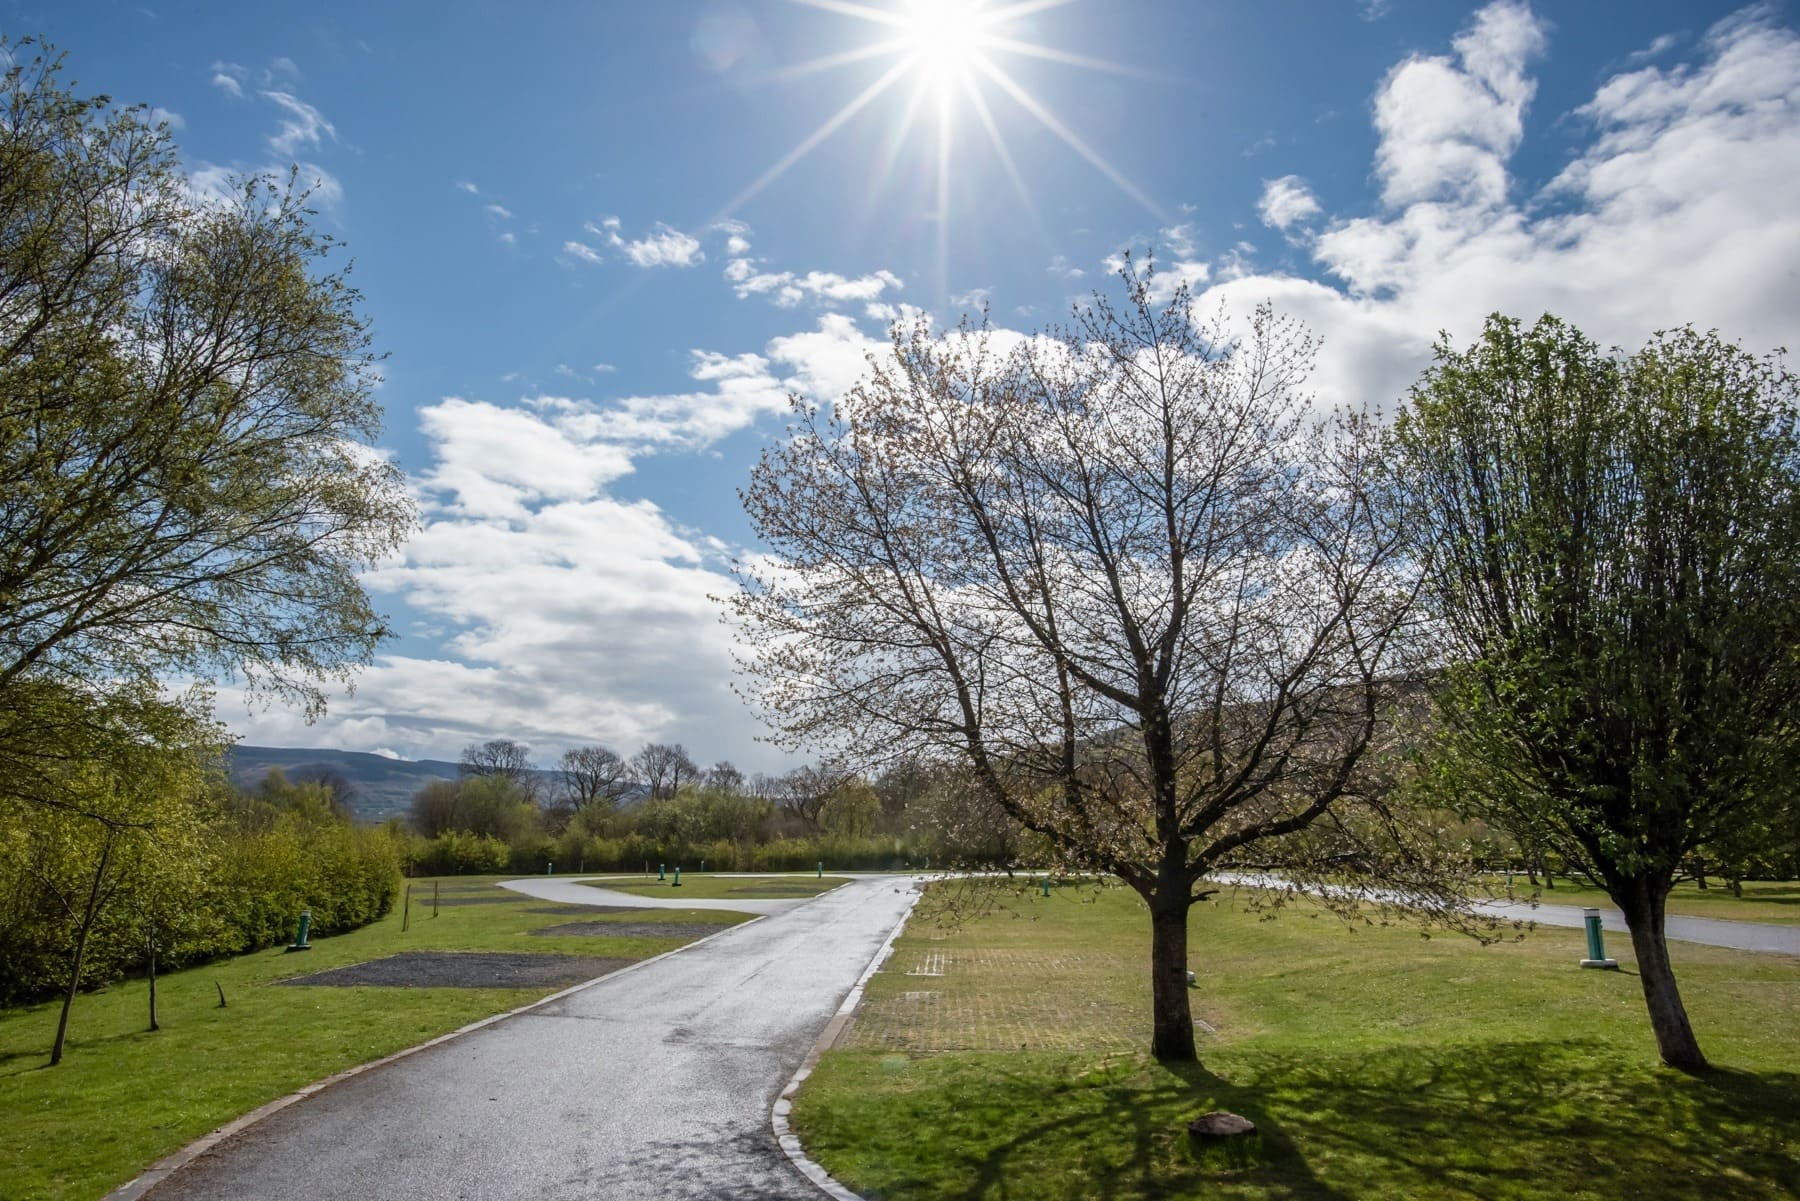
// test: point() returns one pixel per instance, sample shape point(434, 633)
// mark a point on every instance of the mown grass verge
point(124, 1097)
point(708, 887)
point(1005, 1059)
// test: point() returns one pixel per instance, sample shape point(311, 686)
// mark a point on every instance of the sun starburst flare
point(952, 52)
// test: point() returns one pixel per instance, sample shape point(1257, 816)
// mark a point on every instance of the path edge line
point(168, 1165)
point(784, 1104)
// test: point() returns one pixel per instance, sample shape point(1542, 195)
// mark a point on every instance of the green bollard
point(1046, 883)
point(300, 943)
point(821, 870)
point(659, 872)
point(549, 868)
point(677, 882)
point(703, 865)
point(1596, 942)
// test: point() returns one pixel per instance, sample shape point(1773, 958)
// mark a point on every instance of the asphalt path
point(655, 1082)
point(1715, 932)
point(570, 892)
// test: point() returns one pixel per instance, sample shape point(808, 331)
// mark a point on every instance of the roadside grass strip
point(706, 887)
point(1006, 1057)
point(124, 1097)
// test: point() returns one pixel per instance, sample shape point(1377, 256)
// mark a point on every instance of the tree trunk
point(81, 942)
point(1643, 903)
point(1172, 1038)
point(153, 1024)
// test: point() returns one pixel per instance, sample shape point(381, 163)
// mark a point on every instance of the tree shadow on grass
point(1531, 1119)
point(1493, 1122)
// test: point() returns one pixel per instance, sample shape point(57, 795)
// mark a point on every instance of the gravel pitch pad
point(585, 910)
point(439, 969)
point(633, 929)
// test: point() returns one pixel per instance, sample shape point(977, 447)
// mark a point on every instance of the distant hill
point(380, 786)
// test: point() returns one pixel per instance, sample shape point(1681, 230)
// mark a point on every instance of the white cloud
point(785, 289)
point(1063, 269)
point(500, 211)
point(974, 299)
point(1287, 202)
point(574, 615)
point(582, 251)
point(1676, 210)
point(229, 78)
point(162, 116)
point(464, 185)
point(667, 247)
point(1448, 126)
point(304, 125)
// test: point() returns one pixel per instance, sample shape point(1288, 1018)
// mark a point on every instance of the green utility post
point(703, 865)
point(821, 869)
point(659, 872)
point(677, 881)
point(300, 943)
point(549, 868)
point(1596, 943)
point(1046, 883)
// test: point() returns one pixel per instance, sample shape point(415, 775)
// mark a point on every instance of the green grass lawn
point(1763, 900)
point(708, 887)
point(124, 1097)
point(1005, 1058)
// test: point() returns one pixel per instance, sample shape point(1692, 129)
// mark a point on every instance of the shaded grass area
point(699, 886)
point(124, 1097)
point(1763, 900)
point(1005, 1059)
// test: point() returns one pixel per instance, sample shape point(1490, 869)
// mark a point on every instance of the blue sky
point(596, 289)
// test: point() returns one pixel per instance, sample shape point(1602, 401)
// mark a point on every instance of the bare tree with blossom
point(1124, 577)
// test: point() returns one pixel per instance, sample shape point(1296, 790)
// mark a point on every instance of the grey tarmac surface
point(1715, 932)
point(654, 1083)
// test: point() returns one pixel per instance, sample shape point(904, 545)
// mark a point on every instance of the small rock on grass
point(1219, 1124)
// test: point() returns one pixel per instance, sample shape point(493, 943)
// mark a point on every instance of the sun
point(954, 55)
point(944, 38)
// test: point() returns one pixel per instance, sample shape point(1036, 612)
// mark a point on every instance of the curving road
point(654, 1082)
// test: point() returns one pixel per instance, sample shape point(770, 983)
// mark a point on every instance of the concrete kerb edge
point(167, 1166)
point(784, 1104)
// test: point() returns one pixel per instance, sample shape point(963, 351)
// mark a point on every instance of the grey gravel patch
point(634, 929)
point(581, 910)
point(775, 891)
point(465, 969)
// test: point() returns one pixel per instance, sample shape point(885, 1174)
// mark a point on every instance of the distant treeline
point(599, 811)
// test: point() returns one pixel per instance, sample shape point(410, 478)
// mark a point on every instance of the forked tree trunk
point(1643, 904)
point(1172, 1037)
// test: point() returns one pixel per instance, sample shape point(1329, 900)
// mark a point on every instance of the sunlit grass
point(1376, 1064)
point(124, 1097)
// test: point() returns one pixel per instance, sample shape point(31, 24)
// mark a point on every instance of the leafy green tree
point(186, 416)
point(1612, 543)
point(118, 813)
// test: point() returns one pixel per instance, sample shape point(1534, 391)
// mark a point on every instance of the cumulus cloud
point(667, 247)
point(573, 614)
point(1286, 202)
point(785, 289)
point(1676, 209)
point(1448, 124)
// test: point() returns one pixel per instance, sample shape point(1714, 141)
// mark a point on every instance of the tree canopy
point(1122, 574)
point(1612, 547)
point(186, 415)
